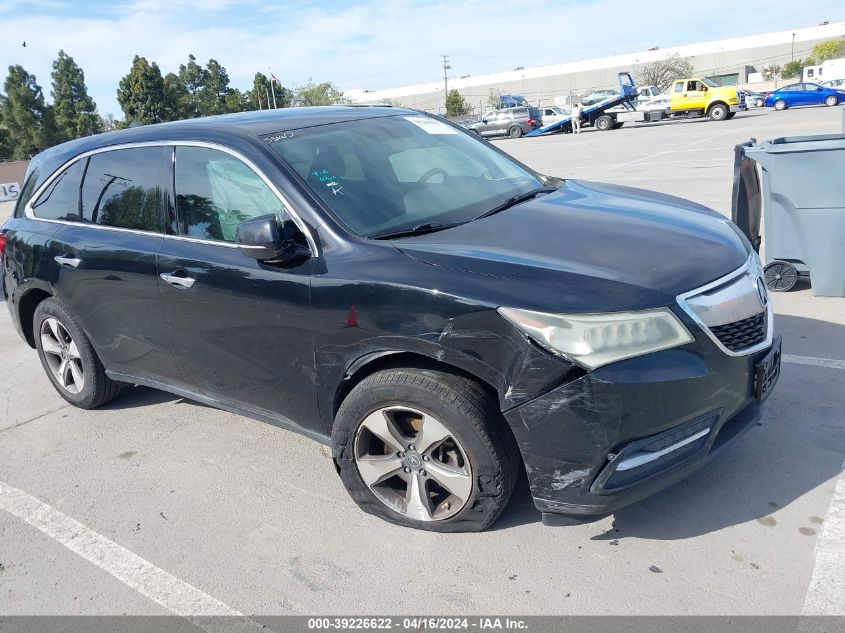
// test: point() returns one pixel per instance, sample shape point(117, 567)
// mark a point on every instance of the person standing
point(576, 118)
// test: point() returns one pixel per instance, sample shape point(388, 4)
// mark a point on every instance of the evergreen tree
point(193, 78)
point(24, 115)
point(177, 99)
point(141, 93)
point(215, 87)
point(75, 111)
point(455, 104)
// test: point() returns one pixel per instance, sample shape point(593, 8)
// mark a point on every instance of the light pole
point(792, 58)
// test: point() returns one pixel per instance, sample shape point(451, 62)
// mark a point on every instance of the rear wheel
point(425, 449)
point(831, 100)
point(780, 276)
point(719, 112)
point(69, 359)
point(604, 123)
point(780, 104)
point(515, 132)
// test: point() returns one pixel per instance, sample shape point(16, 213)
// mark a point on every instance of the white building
point(731, 61)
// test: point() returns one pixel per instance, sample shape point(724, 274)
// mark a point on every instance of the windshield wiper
point(515, 200)
point(421, 229)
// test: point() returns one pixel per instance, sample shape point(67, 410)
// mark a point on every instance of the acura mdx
point(389, 284)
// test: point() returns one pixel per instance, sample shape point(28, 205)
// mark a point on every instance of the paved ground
point(228, 513)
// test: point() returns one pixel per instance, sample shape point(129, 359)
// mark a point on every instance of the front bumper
point(630, 429)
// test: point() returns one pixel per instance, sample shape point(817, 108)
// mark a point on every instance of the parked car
point(804, 94)
point(836, 84)
point(441, 315)
point(597, 96)
point(553, 114)
point(513, 122)
point(661, 103)
point(753, 99)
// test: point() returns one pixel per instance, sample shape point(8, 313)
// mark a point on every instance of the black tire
point(780, 276)
point(476, 132)
point(616, 126)
point(718, 112)
point(515, 131)
point(831, 100)
point(604, 123)
point(97, 389)
point(780, 105)
point(470, 416)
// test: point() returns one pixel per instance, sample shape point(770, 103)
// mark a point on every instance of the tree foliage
point(75, 111)
point(455, 104)
point(792, 69)
point(823, 51)
point(321, 94)
point(663, 72)
point(29, 122)
point(141, 93)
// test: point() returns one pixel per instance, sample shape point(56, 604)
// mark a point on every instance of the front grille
point(742, 334)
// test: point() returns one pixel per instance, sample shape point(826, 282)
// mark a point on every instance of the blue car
point(804, 94)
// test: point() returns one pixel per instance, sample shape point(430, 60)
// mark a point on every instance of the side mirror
point(264, 239)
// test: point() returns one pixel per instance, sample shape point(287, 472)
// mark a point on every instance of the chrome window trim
point(751, 264)
point(28, 211)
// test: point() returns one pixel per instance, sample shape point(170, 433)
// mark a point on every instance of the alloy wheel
point(413, 464)
point(62, 356)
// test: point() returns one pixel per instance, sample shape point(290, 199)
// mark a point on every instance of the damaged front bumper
point(630, 429)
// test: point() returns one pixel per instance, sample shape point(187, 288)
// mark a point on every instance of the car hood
point(590, 247)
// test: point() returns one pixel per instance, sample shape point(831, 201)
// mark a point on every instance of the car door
point(110, 206)
point(814, 94)
point(240, 327)
point(695, 96)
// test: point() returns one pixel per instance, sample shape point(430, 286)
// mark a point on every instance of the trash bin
point(803, 196)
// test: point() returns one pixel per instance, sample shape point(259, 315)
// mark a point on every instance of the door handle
point(67, 262)
point(178, 281)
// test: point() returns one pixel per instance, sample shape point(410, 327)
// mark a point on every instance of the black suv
point(386, 283)
point(513, 122)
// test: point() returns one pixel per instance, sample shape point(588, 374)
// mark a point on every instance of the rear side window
point(679, 86)
point(124, 188)
point(60, 200)
point(215, 192)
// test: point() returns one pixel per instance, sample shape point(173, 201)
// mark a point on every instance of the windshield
point(709, 82)
point(394, 173)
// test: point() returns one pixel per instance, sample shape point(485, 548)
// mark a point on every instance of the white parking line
point(144, 577)
point(826, 593)
point(830, 363)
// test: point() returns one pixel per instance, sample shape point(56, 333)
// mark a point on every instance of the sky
point(369, 44)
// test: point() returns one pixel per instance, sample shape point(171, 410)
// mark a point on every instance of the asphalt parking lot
point(223, 512)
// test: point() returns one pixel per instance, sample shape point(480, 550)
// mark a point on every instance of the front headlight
point(593, 340)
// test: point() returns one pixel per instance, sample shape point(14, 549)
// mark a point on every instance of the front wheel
point(69, 359)
point(780, 104)
point(831, 101)
point(719, 112)
point(426, 450)
point(515, 132)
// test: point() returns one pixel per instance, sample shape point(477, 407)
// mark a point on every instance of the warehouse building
point(737, 61)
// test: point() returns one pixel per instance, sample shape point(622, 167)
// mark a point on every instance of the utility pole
point(793, 48)
point(446, 67)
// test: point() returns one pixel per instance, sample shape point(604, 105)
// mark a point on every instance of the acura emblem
point(762, 293)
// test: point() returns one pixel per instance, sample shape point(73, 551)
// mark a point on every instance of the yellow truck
point(699, 96)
